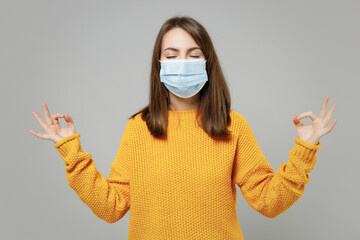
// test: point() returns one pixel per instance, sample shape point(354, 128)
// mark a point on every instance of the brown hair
point(215, 99)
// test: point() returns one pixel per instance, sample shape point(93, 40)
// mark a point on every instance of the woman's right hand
point(54, 131)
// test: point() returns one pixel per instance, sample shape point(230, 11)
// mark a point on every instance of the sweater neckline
point(183, 114)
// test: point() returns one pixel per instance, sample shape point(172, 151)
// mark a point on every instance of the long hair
point(215, 99)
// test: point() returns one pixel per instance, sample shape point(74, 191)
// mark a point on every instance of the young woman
point(181, 156)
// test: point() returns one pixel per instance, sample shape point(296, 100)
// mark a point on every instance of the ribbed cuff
point(305, 153)
point(307, 145)
point(69, 145)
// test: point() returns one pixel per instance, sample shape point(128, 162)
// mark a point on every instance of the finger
point(307, 114)
point(56, 116)
point(324, 107)
point(47, 114)
point(41, 122)
point(297, 122)
point(330, 113)
point(42, 136)
point(69, 120)
point(331, 126)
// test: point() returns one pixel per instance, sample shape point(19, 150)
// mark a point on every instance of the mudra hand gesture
point(54, 131)
point(312, 133)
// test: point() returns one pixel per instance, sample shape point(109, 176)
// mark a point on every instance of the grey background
point(91, 59)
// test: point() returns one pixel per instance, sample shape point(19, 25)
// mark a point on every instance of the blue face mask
point(183, 77)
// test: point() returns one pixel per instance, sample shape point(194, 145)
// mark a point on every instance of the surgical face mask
point(183, 77)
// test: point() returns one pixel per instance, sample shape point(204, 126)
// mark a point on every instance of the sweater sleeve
point(268, 193)
point(109, 199)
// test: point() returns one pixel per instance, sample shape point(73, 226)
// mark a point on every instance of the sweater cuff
point(307, 145)
point(305, 153)
point(69, 145)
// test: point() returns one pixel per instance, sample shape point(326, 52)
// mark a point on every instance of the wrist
point(57, 139)
point(312, 140)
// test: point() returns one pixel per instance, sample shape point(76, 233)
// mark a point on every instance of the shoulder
point(135, 121)
point(238, 122)
point(137, 124)
point(237, 117)
point(132, 128)
point(136, 117)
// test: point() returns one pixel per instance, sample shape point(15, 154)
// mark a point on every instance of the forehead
point(178, 38)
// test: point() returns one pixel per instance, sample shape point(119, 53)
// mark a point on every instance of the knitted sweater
point(184, 187)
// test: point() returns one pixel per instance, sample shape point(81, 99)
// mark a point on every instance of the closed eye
point(190, 56)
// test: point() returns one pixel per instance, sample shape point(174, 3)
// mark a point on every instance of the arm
point(109, 199)
point(268, 193)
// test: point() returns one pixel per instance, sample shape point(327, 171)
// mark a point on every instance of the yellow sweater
point(184, 187)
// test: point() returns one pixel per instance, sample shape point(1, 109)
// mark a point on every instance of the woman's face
point(179, 44)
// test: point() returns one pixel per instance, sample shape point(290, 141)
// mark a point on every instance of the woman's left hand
point(313, 133)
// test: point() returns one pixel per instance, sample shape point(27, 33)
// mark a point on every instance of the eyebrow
point(177, 50)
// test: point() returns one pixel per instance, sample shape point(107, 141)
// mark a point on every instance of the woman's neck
point(179, 104)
